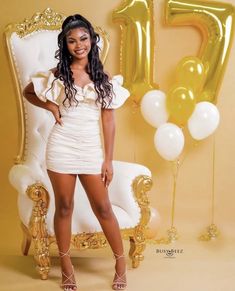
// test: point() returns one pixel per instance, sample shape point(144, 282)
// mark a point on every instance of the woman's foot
point(119, 281)
point(68, 278)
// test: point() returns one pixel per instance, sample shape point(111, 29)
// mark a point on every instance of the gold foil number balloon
point(216, 22)
point(135, 18)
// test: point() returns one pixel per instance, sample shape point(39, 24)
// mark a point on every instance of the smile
point(79, 52)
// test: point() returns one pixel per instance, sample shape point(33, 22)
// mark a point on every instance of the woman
point(77, 92)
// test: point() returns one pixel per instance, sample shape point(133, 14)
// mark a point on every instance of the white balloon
point(204, 120)
point(153, 108)
point(169, 141)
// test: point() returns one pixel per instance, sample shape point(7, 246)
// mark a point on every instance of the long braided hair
point(94, 68)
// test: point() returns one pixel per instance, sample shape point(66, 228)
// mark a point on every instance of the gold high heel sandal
point(71, 283)
point(119, 283)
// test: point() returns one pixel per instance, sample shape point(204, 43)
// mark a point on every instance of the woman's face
point(78, 43)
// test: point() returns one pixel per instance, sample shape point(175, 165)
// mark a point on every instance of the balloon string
point(175, 169)
point(185, 153)
point(213, 182)
point(212, 231)
point(177, 164)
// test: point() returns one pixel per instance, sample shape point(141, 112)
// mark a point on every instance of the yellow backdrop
point(194, 183)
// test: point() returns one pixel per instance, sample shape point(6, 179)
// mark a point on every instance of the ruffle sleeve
point(120, 93)
point(42, 82)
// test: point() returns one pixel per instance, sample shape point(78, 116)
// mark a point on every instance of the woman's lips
point(79, 52)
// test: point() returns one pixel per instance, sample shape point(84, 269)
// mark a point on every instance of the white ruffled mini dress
point(76, 147)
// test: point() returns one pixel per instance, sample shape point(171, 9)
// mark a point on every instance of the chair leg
point(38, 228)
point(136, 251)
point(42, 257)
point(141, 185)
point(26, 242)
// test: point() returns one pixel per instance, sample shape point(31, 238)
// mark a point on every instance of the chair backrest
point(31, 47)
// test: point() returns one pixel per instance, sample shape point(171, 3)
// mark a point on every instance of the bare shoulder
point(107, 73)
point(53, 70)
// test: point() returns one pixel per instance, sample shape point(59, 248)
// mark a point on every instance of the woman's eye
point(81, 39)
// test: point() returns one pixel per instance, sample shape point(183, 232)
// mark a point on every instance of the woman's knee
point(103, 210)
point(64, 207)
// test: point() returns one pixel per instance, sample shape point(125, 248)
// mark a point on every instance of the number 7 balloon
point(216, 22)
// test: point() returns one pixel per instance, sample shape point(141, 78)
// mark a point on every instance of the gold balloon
point(216, 23)
point(180, 103)
point(190, 72)
point(136, 20)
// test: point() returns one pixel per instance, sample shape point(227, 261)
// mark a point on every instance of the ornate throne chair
point(30, 46)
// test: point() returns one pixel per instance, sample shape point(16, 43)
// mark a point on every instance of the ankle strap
point(117, 256)
point(62, 254)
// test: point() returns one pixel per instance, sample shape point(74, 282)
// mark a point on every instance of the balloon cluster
point(181, 106)
point(190, 101)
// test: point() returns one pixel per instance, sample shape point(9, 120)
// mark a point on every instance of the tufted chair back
point(34, 52)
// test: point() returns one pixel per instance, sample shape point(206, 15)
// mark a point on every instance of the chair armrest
point(121, 187)
point(130, 170)
point(21, 176)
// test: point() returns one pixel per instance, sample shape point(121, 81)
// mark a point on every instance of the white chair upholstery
point(121, 195)
point(29, 54)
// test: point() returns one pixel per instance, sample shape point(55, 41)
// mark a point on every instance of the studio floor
point(204, 266)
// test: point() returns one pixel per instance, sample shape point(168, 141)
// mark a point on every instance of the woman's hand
point(107, 172)
point(56, 112)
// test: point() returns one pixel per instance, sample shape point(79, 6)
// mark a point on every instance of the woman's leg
point(63, 186)
point(97, 194)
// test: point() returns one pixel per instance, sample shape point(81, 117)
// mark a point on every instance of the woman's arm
point(108, 125)
point(30, 95)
